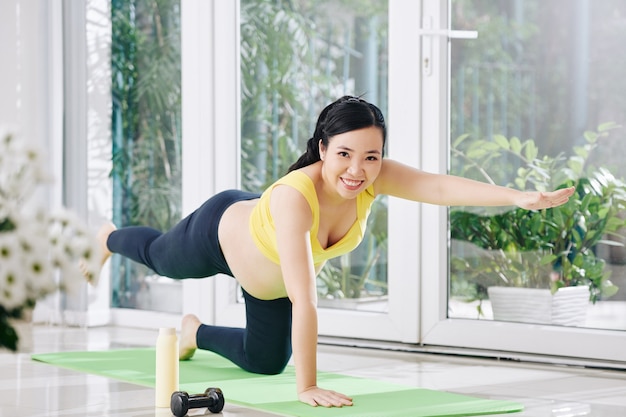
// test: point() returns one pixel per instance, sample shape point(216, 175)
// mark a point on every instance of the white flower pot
point(567, 307)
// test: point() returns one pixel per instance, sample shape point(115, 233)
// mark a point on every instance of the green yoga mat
point(276, 393)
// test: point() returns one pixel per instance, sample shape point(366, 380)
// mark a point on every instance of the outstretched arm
point(293, 219)
point(403, 181)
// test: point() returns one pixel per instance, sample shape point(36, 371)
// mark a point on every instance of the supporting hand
point(326, 398)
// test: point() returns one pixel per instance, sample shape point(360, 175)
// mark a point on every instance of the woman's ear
point(322, 150)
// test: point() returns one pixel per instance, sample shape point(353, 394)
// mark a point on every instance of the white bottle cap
point(167, 331)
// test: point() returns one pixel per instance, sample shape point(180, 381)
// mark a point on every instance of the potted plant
point(548, 249)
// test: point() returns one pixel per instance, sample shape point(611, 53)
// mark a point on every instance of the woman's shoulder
point(299, 179)
point(390, 173)
point(302, 180)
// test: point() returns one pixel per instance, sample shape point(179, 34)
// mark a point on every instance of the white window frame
point(210, 94)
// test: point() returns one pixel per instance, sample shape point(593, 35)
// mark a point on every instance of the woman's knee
point(268, 334)
point(269, 366)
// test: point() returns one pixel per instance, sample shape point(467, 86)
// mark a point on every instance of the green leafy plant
point(549, 248)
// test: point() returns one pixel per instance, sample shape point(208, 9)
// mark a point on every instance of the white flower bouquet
point(40, 251)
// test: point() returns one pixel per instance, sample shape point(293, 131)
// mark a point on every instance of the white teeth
point(351, 183)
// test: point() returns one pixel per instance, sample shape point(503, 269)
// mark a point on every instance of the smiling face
point(352, 161)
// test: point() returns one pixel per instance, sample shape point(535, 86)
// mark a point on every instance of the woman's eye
point(342, 153)
point(372, 158)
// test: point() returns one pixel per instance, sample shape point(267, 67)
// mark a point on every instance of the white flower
point(13, 288)
point(39, 275)
point(71, 238)
point(13, 292)
point(22, 171)
point(36, 248)
point(10, 251)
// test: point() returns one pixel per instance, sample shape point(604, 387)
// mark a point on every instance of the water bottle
point(166, 381)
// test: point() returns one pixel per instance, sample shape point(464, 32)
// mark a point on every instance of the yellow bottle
point(166, 381)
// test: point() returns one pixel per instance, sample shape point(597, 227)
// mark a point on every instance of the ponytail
point(344, 115)
point(309, 157)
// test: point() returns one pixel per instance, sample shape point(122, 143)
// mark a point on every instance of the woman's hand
point(540, 200)
point(326, 398)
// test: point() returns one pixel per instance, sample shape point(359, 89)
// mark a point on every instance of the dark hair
point(344, 115)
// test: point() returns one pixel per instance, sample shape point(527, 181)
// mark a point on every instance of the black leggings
point(191, 249)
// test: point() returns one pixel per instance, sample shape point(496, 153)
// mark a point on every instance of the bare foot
point(103, 251)
point(102, 236)
point(188, 329)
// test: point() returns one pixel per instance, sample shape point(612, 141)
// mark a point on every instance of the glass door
point(534, 105)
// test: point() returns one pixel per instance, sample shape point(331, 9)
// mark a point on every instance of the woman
point(276, 244)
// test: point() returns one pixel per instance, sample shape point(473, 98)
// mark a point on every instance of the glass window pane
point(145, 60)
point(537, 103)
point(296, 57)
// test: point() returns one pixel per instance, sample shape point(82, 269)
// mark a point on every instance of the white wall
point(31, 75)
point(34, 96)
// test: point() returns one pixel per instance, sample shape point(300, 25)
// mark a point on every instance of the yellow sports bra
point(263, 230)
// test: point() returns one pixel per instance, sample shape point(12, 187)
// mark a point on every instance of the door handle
point(427, 32)
point(450, 34)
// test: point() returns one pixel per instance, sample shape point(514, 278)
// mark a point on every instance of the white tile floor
point(29, 388)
